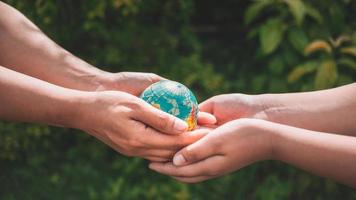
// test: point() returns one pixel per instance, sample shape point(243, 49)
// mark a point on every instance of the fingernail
point(180, 125)
point(179, 160)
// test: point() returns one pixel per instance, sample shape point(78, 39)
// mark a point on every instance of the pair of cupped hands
point(223, 141)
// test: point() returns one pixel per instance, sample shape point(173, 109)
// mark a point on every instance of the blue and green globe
point(173, 98)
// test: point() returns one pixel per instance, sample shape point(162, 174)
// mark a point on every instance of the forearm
point(27, 99)
point(24, 48)
point(324, 154)
point(331, 110)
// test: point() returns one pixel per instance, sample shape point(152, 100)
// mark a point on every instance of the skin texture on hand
point(228, 107)
point(133, 127)
point(241, 142)
point(223, 150)
point(330, 110)
point(126, 123)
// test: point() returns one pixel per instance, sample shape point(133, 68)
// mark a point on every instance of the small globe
point(173, 98)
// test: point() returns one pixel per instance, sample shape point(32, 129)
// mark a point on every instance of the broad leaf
point(301, 70)
point(349, 50)
point(317, 45)
point(298, 39)
point(313, 13)
point(255, 9)
point(297, 8)
point(326, 75)
point(271, 35)
point(276, 65)
point(348, 63)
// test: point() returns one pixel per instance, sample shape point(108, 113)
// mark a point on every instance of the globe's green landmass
point(173, 98)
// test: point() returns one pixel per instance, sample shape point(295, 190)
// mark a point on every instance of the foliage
point(290, 31)
point(213, 47)
point(335, 54)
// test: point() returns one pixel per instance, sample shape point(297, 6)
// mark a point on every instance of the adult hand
point(228, 107)
point(133, 127)
point(225, 149)
point(135, 82)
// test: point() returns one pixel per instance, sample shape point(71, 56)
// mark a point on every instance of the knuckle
point(163, 120)
point(216, 146)
point(154, 77)
point(170, 155)
point(190, 155)
point(134, 144)
point(134, 105)
point(179, 143)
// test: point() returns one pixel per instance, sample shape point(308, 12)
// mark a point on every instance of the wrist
point(70, 108)
point(109, 81)
point(84, 76)
point(273, 137)
point(271, 107)
point(102, 81)
point(262, 137)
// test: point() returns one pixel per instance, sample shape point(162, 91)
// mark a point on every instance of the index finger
point(205, 118)
point(155, 139)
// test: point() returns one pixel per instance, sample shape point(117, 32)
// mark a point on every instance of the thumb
point(195, 152)
point(160, 120)
point(205, 118)
point(207, 106)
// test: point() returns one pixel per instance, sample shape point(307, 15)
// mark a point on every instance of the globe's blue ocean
point(173, 98)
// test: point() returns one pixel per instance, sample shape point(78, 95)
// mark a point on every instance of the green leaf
point(297, 8)
point(326, 75)
point(298, 39)
point(252, 33)
point(348, 63)
point(313, 13)
point(349, 50)
point(317, 45)
point(271, 35)
point(301, 70)
point(276, 65)
point(255, 9)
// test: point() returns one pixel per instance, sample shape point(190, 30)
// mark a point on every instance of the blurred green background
point(213, 47)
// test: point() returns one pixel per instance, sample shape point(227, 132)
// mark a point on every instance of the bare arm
point(332, 110)
point(324, 154)
point(241, 142)
point(26, 49)
point(27, 99)
point(124, 122)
